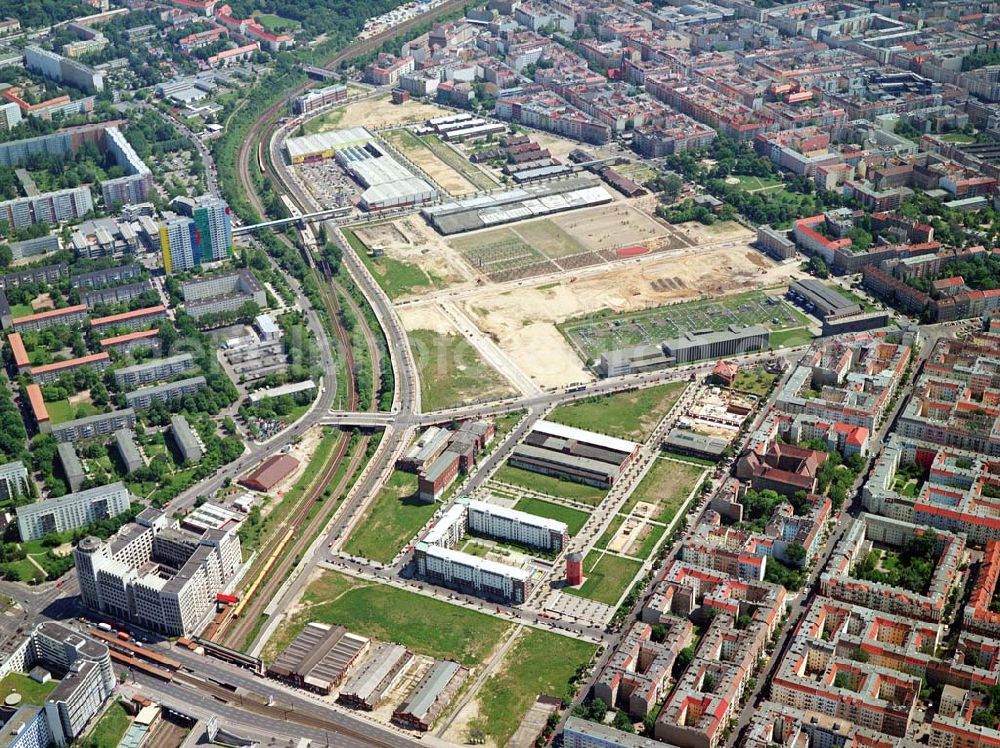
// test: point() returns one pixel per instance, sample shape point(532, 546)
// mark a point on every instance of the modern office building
point(71, 511)
point(83, 675)
point(129, 377)
point(144, 397)
point(156, 574)
point(318, 98)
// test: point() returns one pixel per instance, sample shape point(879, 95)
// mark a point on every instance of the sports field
point(393, 518)
point(452, 372)
point(664, 489)
point(426, 625)
point(628, 415)
point(594, 334)
point(607, 577)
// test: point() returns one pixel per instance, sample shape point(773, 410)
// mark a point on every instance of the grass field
point(790, 338)
point(758, 184)
point(550, 239)
point(609, 534)
point(111, 727)
point(667, 484)
point(628, 415)
point(31, 692)
point(394, 518)
point(594, 334)
point(958, 137)
point(540, 662)
point(275, 23)
point(607, 577)
point(452, 372)
point(479, 179)
point(397, 278)
point(21, 310)
point(61, 411)
point(550, 485)
point(329, 121)
point(574, 518)
point(425, 625)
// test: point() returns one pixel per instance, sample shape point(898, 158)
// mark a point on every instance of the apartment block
point(222, 293)
point(84, 428)
point(129, 377)
point(144, 397)
point(69, 315)
point(72, 511)
point(926, 605)
point(136, 319)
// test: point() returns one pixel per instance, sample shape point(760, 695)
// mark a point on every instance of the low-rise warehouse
point(319, 657)
point(270, 473)
point(426, 702)
point(826, 302)
point(377, 675)
point(574, 454)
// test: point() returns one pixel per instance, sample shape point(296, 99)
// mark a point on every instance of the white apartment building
point(71, 511)
point(495, 521)
point(153, 371)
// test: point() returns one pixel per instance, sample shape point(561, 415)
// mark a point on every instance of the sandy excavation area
point(380, 112)
point(412, 241)
point(523, 321)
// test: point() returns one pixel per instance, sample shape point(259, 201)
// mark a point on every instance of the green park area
point(423, 624)
point(666, 487)
point(550, 485)
point(754, 381)
point(393, 518)
point(540, 662)
point(452, 372)
point(110, 728)
point(574, 518)
point(606, 577)
point(627, 415)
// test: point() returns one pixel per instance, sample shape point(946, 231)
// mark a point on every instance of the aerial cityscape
point(500, 372)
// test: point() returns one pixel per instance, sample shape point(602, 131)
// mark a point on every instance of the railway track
point(277, 711)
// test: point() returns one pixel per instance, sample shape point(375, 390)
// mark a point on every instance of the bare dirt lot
point(379, 112)
point(616, 225)
point(411, 240)
point(522, 320)
point(423, 157)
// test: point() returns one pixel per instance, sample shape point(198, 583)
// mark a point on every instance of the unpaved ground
point(426, 318)
point(614, 225)
point(450, 180)
point(42, 302)
point(414, 242)
point(381, 112)
point(302, 452)
point(630, 536)
point(560, 147)
point(717, 232)
point(522, 321)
